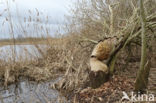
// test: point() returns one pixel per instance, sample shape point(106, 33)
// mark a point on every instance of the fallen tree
point(127, 35)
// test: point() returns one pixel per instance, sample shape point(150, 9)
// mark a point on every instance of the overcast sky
point(33, 15)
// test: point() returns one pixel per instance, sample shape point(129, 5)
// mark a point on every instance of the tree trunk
point(143, 72)
point(98, 78)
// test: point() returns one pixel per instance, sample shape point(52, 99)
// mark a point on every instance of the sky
point(33, 17)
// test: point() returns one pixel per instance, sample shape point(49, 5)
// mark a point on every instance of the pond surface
point(30, 92)
point(21, 52)
point(26, 91)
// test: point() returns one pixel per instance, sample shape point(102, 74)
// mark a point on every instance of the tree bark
point(143, 72)
point(98, 78)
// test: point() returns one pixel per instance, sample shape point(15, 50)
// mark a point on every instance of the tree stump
point(98, 78)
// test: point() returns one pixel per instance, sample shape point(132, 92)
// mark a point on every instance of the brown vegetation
point(68, 56)
point(25, 41)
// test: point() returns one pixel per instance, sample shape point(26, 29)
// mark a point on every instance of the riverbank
point(70, 60)
point(65, 57)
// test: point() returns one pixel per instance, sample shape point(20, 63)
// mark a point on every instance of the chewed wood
point(102, 50)
point(97, 65)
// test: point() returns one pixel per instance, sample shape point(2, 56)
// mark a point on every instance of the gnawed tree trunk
point(143, 72)
point(98, 78)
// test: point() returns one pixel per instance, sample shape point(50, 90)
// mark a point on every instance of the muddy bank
point(26, 91)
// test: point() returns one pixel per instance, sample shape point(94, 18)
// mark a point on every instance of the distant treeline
point(24, 39)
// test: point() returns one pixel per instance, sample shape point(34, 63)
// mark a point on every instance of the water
point(22, 52)
point(26, 91)
point(30, 92)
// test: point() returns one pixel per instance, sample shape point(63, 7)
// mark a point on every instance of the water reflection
point(29, 92)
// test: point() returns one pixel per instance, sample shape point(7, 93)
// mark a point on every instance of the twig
point(89, 40)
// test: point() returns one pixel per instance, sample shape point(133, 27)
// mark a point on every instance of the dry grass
point(23, 41)
point(64, 57)
point(68, 57)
